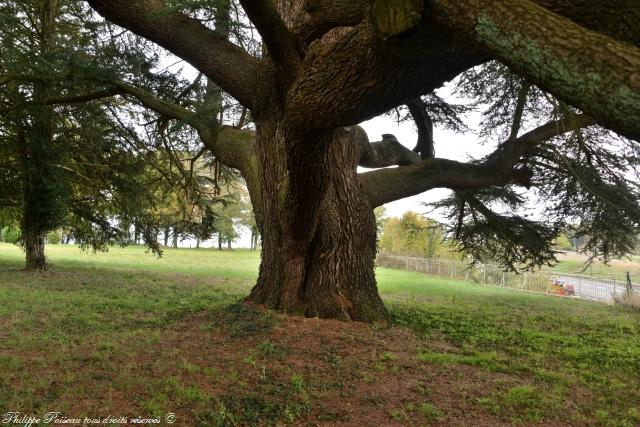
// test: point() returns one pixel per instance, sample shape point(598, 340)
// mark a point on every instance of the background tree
point(328, 65)
point(414, 235)
point(73, 157)
point(43, 190)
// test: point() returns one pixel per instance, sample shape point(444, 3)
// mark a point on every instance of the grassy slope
point(102, 329)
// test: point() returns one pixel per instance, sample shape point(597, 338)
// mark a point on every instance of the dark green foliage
point(487, 235)
point(11, 234)
point(585, 180)
point(90, 166)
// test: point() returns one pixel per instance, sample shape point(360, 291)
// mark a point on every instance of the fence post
point(629, 285)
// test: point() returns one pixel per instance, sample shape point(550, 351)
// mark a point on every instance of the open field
point(126, 334)
point(571, 262)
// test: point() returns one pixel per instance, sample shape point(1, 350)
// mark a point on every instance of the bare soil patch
point(245, 366)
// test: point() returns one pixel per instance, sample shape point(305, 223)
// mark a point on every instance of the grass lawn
point(126, 334)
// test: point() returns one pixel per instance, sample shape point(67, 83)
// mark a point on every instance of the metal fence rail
point(601, 287)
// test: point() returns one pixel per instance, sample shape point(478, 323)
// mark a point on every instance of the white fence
point(602, 287)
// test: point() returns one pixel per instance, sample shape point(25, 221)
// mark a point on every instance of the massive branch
point(321, 16)
point(589, 70)
point(231, 146)
point(370, 75)
point(499, 169)
point(227, 64)
point(371, 72)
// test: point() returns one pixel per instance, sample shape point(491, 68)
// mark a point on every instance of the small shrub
point(11, 234)
point(54, 237)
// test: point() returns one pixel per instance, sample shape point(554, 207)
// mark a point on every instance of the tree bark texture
point(34, 243)
point(589, 70)
point(328, 271)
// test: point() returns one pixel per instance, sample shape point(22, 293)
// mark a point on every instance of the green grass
point(72, 333)
point(236, 264)
point(557, 344)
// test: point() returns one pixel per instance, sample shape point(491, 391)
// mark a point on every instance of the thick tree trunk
point(174, 241)
point(331, 275)
point(136, 234)
point(34, 249)
point(166, 236)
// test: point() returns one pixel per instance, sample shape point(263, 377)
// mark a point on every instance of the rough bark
point(328, 272)
point(589, 70)
point(34, 244)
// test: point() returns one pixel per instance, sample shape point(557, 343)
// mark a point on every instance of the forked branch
point(498, 169)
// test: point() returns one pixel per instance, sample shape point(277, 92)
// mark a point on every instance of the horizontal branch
point(499, 169)
point(371, 74)
point(321, 16)
point(227, 64)
point(76, 99)
point(587, 69)
point(233, 147)
point(160, 106)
